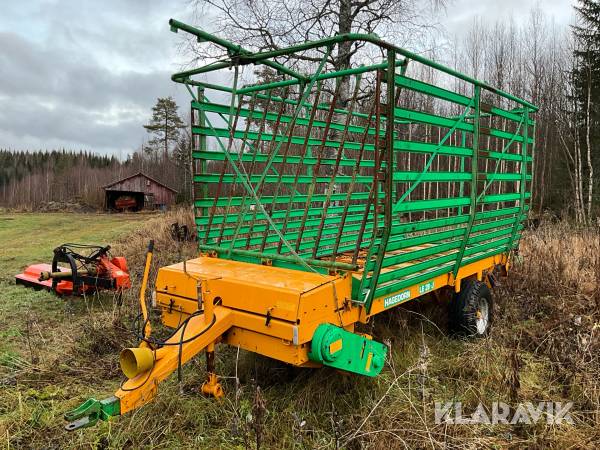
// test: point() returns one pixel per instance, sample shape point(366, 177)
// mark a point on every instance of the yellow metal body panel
point(143, 388)
point(296, 302)
point(264, 288)
point(275, 311)
point(272, 347)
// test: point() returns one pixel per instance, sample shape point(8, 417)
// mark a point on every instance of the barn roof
point(135, 175)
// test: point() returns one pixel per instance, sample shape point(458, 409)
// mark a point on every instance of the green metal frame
point(292, 173)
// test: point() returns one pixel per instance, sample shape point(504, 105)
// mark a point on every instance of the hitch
point(92, 410)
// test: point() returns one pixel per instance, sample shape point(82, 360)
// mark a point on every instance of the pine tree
point(586, 80)
point(164, 126)
point(587, 34)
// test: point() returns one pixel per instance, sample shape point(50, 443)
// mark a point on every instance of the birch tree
point(273, 24)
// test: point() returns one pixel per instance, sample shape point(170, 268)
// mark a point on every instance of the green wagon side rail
point(370, 169)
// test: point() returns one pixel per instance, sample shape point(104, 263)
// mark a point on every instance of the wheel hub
point(482, 316)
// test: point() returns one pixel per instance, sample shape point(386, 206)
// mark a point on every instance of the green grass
point(28, 238)
point(37, 327)
point(55, 353)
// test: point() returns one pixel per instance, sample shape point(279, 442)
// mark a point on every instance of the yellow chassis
point(267, 310)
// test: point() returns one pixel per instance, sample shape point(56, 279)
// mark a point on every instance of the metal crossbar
point(366, 169)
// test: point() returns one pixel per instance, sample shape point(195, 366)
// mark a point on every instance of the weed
point(544, 346)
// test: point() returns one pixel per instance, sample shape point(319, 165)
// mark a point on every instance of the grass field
point(30, 238)
point(31, 320)
point(56, 353)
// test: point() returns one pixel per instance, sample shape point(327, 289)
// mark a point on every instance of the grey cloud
point(85, 73)
point(48, 93)
point(66, 123)
point(84, 78)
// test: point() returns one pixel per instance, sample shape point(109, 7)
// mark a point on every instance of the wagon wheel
point(471, 310)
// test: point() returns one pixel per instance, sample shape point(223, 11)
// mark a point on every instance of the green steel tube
point(245, 57)
point(474, 174)
point(523, 182)
point(389, 170)
point(322, 76)
point(204, 36)
point(462, 169)
point(278, 257)
point(203, 147)
point(231, 48)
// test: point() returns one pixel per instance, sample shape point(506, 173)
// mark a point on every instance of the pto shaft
point(92, 271)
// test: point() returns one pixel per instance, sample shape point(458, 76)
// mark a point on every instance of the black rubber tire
point(472, 298)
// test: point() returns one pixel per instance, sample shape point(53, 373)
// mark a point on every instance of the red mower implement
point(89, 268)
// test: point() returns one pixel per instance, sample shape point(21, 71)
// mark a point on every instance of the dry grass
point(544, 346)
point(561, 257)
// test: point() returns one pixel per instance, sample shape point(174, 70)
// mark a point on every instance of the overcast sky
point(82, 74)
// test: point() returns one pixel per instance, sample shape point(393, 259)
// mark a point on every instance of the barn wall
point(139, 183)
point(133, 184)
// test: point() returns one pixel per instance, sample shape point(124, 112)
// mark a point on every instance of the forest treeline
point(555, 67)
point(30, 180)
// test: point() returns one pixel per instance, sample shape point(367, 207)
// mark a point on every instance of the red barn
point(136, 192)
